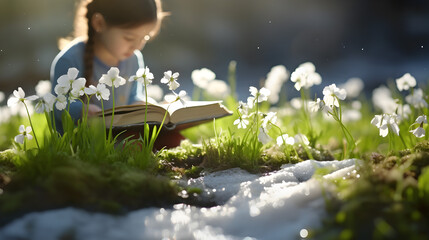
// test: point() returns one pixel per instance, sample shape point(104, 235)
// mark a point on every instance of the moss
point(386, 202)
point(114, 188)
point(422, 147)
point(316, 154)
point(374, 157)
point(390, 162)
point(7, 155)
point(193, 172)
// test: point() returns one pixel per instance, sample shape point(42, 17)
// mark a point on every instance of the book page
point(172, 107)
point(199, 110)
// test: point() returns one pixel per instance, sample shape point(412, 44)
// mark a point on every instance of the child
point(113, 33)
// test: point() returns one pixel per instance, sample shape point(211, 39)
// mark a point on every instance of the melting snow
point(280, 205)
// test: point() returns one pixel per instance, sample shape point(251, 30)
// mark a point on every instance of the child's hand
point(93, 109)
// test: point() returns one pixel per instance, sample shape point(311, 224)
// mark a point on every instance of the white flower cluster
point(386, 121)
point(331, 96)
point(257, 96)
point(297, 139)
point(268, 120)
point(394, 111)
point(406, 82)
point(305, 76)
point(205, 79)
point(353, 87)
point(69, 88)
point(274, 82)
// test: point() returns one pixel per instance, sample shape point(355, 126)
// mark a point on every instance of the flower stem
point(31, 124)
point(257, 132)
point(104, 121)
point(307, 119)
point(145, 94)
point(113, 114)
point(402, 140)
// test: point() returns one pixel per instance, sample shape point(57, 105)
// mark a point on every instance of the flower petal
point(20, 93)
point(21, 128)
point(72, 73)
point(11, 102)
point(32, 97)
point(19, 138)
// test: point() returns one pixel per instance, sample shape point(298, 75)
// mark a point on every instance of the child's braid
point(89, 48)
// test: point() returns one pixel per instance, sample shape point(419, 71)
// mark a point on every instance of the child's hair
point(121, 13)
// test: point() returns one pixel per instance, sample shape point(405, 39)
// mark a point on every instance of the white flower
point(61, 103)
point(218, 89)
point(405, 82)
point(155, 92)
point(5, 114)
point(332, 94)
point(61, 90)
point(285, 139)
point(170, 79)
point(24, 133)
point(65, 81)
point(275, 79)
point(404, 111)
point(182, 97)
point(243, 108)
point(351, 115)
point(143, 76)
point(202, 77)
point(356, 105)
point(301, 138)
point(1, 96)
point(20, 110)
point(260, 95)
point(386, 121)
point(250, 102)
point(45, 103)
point(112, 78)
point(241, 122)
point(263, 136)
point(101, 91)
point(43, 87)
point(19, 96)
point(271, 117)
point(382, 99)
point(78, 87)
point(353, 87)
point(420, 131)
point(314, 106)
point(421, 119)
point(305, 76)
point(417, 99)
point(317, 105)
point(296, 103)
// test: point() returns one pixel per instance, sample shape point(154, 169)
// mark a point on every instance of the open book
point(178, 116)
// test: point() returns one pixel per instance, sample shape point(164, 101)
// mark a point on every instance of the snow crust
point(274, 206)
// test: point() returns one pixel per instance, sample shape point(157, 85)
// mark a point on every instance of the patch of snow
point(274, 206)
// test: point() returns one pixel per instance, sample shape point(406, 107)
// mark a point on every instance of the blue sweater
point(73, 55)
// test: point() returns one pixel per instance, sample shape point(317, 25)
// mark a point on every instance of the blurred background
point(374, 40)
